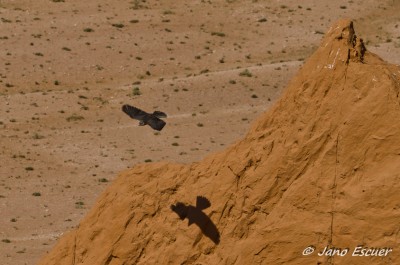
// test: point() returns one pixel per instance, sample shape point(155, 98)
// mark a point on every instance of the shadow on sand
point(195, 215)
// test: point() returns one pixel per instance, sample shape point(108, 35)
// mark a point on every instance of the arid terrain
point(68, 66)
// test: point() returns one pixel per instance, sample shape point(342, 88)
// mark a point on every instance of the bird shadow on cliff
point(195, 215)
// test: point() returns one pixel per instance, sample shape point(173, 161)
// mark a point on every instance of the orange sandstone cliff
point(320, 169)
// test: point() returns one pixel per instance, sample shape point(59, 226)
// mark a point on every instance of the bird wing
point(135, 113)
point(155, 123)
point(159, 114)
point(202, 203)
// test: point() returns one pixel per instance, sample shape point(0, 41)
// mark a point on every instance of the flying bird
point(152, 119)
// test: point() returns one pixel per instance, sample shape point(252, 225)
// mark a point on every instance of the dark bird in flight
point(146, 118)
point(195, 215)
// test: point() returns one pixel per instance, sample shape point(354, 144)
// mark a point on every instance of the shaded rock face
point(321, 169)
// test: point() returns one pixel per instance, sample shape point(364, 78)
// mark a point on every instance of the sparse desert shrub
point(74, 117)
point(168, 12)
point(246, 73)
point(219, 34)
point(79, 204)
point(136, 91)
point(37, 194)
point(101, 100)
point(138, 4)
point(37, 136)
point(118, 25)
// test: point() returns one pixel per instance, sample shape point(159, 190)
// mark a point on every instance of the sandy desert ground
point(68, 66)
